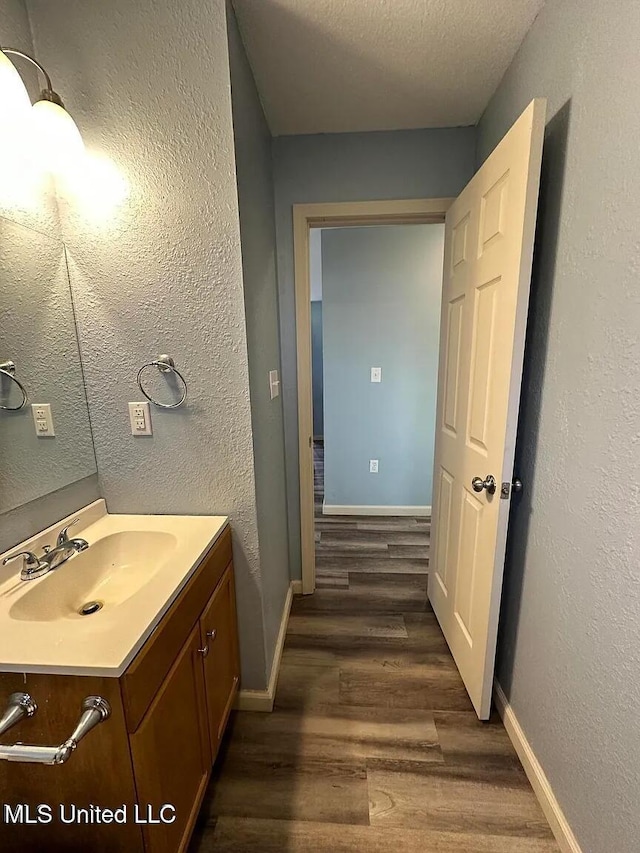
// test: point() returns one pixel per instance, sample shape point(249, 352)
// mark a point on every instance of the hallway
point(373, 743)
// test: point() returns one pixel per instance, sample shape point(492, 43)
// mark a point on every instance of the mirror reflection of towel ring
point(165, 364)
point(8, 369)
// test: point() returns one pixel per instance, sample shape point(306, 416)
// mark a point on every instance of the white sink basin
point(109, 572)
point(134, 568)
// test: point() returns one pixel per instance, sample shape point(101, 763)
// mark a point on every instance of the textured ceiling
point(326, 66)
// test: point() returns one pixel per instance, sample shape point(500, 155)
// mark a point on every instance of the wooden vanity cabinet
point(218, 632)
point(169, 712)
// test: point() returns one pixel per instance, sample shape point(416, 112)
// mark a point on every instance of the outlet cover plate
point(43, 419)
point(140, 419)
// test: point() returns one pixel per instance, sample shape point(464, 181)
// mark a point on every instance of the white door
point(488, 250)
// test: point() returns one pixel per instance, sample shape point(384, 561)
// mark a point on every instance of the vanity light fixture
point(58, 135)
point(15, 98)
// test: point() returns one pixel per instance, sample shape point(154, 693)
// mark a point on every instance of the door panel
point(441, 567)
point(471, 519)
point(170, 752)
point(452, 364)
point(482, 364)
point(493, 209)
point(488, 251)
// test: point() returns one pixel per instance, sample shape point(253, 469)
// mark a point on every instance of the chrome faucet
point(35, 567)
point(65, 547)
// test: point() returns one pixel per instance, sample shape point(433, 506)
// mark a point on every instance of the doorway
point(489, 239)
point(321, 216)
point(375, 316)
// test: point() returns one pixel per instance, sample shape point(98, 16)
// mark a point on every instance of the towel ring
point(8, 369)
point(165, 364)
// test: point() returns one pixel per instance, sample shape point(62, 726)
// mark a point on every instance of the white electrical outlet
point(43, 419)
point(140, 419)
point(376, 374)
point(373, 466)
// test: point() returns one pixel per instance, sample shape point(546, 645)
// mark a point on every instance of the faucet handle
point(30, 562)
point(32, 567)
point(63, 536)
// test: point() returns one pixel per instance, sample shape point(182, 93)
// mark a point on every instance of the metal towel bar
point(20, 705)
point(95, 710)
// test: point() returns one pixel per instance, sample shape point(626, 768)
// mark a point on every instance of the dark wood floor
point(364, 543)
point(373, 744)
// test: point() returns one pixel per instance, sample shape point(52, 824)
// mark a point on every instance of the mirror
point(38, 334)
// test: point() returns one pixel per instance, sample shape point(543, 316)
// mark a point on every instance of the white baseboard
point(536, 775)
point(296, 587)
point(254, 700)
point(262, 700)
point(328, 509)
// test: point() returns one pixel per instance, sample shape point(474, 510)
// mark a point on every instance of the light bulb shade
point(59, 140)
point(15, 104)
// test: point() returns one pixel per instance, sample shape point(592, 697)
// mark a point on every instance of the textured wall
point(569, 652)
point(381, 292)
point(148, 83)
point(258, 237)
point(38, 332)
point(350, 167)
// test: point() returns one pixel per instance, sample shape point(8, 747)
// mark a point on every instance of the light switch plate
point(43, 419)
point(140, 419)
point(373, 466)
point(376, 374)
point(274, 383)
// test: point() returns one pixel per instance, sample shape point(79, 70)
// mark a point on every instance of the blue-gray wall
point(569, 649)
point(317, 369)
point(148, 84)
point(382, 290)
point(350, 167)
point(258, 240)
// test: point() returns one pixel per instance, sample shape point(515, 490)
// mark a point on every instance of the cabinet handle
point(205, 651)
point(212, 634)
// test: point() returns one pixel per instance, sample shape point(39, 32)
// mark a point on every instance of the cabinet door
point(219, 633)
point(171, 752)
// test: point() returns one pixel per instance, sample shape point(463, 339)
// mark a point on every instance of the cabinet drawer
point(143, 678)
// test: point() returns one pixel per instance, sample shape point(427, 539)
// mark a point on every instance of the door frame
point(336, 215)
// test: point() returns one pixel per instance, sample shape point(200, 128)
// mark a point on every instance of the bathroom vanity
point(161, 650)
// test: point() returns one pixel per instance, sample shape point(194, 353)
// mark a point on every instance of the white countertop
point(136, 564)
